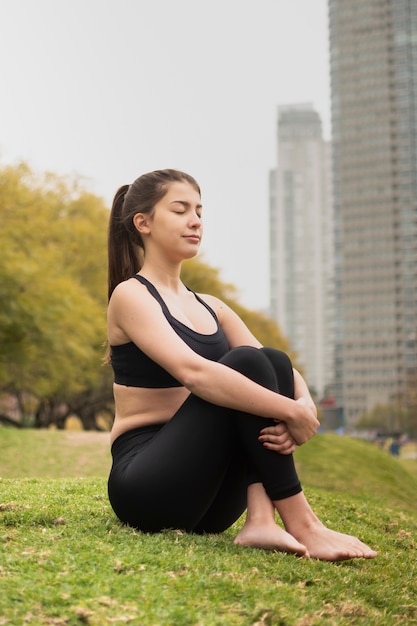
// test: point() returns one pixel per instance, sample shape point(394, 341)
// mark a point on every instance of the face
point(175, 226)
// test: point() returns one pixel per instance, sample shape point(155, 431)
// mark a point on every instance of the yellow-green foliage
point(52, 277)
point(53, 285)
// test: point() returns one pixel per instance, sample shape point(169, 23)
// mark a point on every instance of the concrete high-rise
point(301, 241)
point(373, 64)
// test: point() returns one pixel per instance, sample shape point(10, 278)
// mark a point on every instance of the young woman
point(206, 419)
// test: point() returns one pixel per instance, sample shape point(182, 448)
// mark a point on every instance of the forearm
point(224, 386)
point(231, 389)
point(301, 390)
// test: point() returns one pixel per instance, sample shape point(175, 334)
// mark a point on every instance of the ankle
point(259, 518)
point(305, 525)
point(297, 515)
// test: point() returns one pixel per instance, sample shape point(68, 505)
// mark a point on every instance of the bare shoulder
point(131, 301)
point(236, 331)
point(129, 291)
point(218, 306)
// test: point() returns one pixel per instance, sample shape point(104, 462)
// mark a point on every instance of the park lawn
point(66, 560)
point(53, 453)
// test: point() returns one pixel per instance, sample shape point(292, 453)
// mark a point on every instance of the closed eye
point(187, 206)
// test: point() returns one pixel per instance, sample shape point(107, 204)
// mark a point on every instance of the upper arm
point(134, 315)
point(236, 331)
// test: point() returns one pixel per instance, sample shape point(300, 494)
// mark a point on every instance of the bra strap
point(154, 292)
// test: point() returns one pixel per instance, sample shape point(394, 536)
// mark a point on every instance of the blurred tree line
point(398, 417)
point(53, 298)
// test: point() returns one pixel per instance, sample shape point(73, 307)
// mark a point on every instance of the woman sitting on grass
point(206, 419)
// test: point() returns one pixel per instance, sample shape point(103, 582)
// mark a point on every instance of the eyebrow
point(185, 204)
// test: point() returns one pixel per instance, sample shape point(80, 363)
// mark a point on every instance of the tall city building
point(373, 66)
point(301, 241)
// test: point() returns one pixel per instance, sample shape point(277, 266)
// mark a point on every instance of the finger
point(278, 429)
point(281, 449)
point(282, 442)
point(272, 437)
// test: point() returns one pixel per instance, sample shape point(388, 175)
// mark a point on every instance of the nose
point(195, 220)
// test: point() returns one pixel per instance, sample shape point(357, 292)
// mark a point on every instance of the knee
point(278, 358)
point(242, 356)
point(283, 368)
point(252, 363)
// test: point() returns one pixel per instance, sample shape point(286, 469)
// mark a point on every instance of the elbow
point(191, 382)
point(192, 377)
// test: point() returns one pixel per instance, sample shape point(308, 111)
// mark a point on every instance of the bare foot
point(269, 537)
point(329, 545)
point(321, 542)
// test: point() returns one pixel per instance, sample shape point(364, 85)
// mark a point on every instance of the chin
point(191, 254)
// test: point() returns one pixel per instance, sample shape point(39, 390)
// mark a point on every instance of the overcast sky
point(110, 89)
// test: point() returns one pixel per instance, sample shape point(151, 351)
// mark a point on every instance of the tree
point(398, 416)
point(52, 294)
point(53, 298)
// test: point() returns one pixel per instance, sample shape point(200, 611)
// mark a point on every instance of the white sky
point(110, 89)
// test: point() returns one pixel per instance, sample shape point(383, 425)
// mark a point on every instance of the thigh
point(172, 480)
point(231, 499)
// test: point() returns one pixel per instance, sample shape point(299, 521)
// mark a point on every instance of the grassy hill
point(65, 559)
point(360, 469)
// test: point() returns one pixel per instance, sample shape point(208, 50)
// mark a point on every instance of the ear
point(141, 222)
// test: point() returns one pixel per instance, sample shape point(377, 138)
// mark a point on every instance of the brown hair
point(125, 246)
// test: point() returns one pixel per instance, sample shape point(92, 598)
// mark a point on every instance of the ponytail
point(124, 257)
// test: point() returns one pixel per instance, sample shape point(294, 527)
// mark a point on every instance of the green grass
point(53, 454)
point(66, 561)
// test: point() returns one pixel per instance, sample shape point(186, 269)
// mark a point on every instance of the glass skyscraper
point(301, 242)
point(373, 64)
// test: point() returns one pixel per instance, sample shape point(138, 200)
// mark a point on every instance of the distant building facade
point(301, 242)
point(373, 65)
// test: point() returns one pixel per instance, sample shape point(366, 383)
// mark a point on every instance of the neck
point(163, 276)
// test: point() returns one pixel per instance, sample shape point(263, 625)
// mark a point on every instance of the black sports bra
point(133, 368)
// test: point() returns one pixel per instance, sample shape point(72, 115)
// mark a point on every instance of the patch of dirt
point(87, 436)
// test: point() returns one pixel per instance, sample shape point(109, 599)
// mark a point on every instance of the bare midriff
point(139, 406)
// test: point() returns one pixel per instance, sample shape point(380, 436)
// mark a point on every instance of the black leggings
point(192, 472)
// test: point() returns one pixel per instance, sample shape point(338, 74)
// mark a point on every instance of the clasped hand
point(284, 437)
